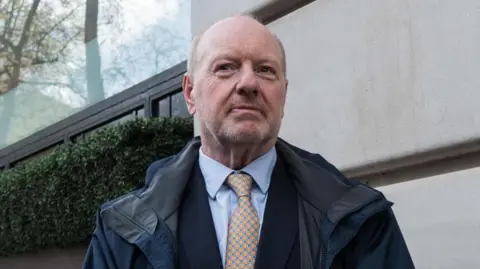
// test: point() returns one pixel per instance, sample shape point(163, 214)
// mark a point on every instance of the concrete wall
point(375, 79)
point(439, 218)
point(207, 12)
point(391, 88)
point(378, 79)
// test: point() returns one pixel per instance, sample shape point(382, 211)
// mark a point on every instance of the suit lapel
point(280, 222)
point(196, 229)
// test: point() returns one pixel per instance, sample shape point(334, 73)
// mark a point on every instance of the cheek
point(213, 97)
point(275, 101)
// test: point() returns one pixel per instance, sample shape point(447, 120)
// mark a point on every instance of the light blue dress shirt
point(223, 200)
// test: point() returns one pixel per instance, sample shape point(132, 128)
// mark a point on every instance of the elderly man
point(238, 196)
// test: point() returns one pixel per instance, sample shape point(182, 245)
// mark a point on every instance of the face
point(238, 88)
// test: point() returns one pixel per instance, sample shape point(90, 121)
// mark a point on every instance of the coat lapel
point(280, 223)
point(197, 235)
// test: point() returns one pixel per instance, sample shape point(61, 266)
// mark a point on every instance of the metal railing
point(149, 98)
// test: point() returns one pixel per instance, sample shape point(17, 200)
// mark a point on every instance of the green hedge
point(51, 201)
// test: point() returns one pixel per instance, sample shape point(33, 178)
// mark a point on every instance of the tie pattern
point(243, 227)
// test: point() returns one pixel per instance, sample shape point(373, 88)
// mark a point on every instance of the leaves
point(51, 201)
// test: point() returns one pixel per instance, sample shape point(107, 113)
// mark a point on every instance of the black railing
point(159, 95)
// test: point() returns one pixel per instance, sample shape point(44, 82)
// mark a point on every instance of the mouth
point(246, 109)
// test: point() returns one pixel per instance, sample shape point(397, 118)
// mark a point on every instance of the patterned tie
point(243, 226)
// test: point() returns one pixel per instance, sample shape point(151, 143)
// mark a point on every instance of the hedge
point(51, 201)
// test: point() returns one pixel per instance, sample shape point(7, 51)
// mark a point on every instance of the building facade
point(386, 90)
point(389, 92)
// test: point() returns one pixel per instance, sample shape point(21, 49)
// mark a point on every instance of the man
point(238, 196)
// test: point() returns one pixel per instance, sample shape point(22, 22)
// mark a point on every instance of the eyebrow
point(270, 58)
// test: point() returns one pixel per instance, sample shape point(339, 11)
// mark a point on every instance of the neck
point(235, 156)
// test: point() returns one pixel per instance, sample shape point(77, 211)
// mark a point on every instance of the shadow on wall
point(71, 258)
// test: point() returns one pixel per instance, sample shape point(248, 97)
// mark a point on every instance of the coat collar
point(135, 215)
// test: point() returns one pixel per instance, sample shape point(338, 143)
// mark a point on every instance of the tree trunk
point(92, 50)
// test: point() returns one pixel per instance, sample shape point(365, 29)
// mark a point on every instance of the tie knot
point(241, 183)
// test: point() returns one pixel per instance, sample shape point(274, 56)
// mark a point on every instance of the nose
point(248, 82)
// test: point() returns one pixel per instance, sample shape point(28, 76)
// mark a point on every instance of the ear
point(187, 85)
point(284, 97)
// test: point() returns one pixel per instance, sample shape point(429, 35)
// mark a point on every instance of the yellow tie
point(243, 227)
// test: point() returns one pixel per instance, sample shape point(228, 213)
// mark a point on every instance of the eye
point(265, 69)
point(225, 67)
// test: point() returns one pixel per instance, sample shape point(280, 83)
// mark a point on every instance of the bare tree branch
point(57, 24)
point(18, 13)
point(8, 72)
point(4, 71)
point(40, 61)
point(45, 83)
point(68, 42)
point(26, 28)
point(9, 19)
point(7, 42)
point(118, 71)
point(74, 88)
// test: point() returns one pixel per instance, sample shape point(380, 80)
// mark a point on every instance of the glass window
point(41, 153)
point(120, 120)
point(79, 52)
point(179, 107)
point(164, 107)
point(78, 138)
point(140, 113)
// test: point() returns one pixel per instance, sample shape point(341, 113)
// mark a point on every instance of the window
point(127, 117)
point(73, 60)
point(179, 107)
point(140, 113)
point(164, 107)
point(43, 152)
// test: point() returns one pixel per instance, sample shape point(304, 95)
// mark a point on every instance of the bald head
point(226, 28)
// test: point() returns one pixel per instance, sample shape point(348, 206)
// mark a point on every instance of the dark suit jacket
point(342, 222)
point(278, 245)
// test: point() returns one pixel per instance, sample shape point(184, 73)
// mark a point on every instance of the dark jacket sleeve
point(378, 245)
point(98, 254)
point(108, 250)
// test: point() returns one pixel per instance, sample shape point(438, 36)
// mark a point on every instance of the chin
point(244, 132)
point(245, 136)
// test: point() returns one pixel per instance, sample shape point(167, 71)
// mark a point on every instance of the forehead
point(237, 38)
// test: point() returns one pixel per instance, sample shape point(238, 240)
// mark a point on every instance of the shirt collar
point(215, 173)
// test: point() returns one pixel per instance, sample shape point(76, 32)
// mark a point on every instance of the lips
point(246, 108)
